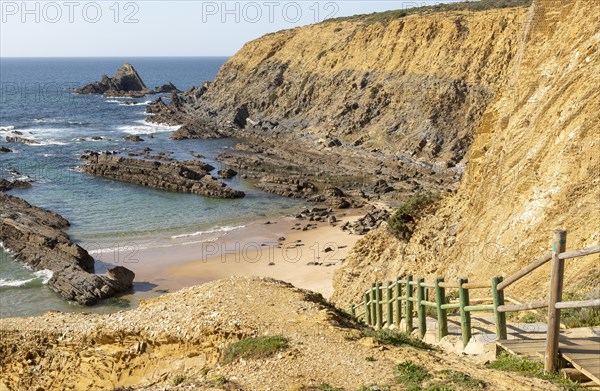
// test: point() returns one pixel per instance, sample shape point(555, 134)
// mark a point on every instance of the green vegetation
point(471, 6)
point(218, 380)
point(373, 387)
point(580, 317)
point(462, 380)
point(411, 375)
point(522, 366)
point(327, 387)
point(256, 347)
point(402, 222)
point(390, 337)
point(178, 380)
point(416, 378)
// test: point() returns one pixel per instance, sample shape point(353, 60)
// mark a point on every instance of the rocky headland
point(348, 103)
point(125, 83)
point(36, 238)
point(189, 176)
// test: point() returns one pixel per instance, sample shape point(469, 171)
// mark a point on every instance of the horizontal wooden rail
point(447, 285)
point(578, 304)
point(485, 307)
point(476, 285)
point(580, 253)
point(450, 306)
point(526, 270)
point(523, 307)
point(402, 299)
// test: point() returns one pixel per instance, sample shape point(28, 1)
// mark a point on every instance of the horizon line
point(177, 56)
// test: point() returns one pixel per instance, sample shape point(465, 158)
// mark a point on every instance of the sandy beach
point(276, 248)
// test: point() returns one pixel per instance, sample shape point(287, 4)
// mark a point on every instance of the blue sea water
point(36, 100)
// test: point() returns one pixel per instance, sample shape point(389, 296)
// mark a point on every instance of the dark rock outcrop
point(37, 239)
point(126, 82)
point(6, 185)
point(21, 140)
point(133, 138)
point(226, 173)
point(287, 187)
point(166, 88)
point(3, 149)
point(188, 176)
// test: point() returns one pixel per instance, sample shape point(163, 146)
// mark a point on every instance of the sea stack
point(126, 82)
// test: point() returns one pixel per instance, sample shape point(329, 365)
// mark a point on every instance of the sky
point(160, 28)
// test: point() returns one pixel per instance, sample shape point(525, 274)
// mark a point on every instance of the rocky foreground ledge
point(179, 341)
point(36, 238)
point(189, 176)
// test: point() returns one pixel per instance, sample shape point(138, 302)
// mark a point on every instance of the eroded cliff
point(533, 167)
point(357, 100)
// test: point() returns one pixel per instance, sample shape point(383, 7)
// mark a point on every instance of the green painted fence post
point(440, 298)
point(500, 316)
point(379, 305)
point(390, 304)
point(367, 308)
point(373, 305)
point(421, 308)
point(409, 305)
point(465, 316)
point(398, 302)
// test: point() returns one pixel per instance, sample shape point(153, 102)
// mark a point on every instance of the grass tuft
point(177, 380)
point(509, 363)
point(411, 375)
point(255, 347)
point(391, 337)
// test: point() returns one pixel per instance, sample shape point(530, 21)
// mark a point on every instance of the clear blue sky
point(72, 28)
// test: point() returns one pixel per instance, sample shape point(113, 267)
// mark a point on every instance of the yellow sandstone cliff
point(533, 166)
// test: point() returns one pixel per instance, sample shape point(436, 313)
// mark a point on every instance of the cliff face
point(415, 86)
point(533, 167)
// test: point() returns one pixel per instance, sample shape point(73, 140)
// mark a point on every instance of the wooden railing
point(408, 296)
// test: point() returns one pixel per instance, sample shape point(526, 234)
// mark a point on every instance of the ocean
point(36, 100)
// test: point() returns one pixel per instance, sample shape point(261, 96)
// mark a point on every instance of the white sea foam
point(42, 276)
point(147, 128)
point(133, 103)
point(6, 128)
point(210, 231)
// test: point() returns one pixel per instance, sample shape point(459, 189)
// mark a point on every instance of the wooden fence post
point(373, 305)
point(367, 308)
point(409, 306)
point(465, 316)
point(440, 299)
point(559, 245)
point(379, 305)
point(421, 308)
point(390, 304)
point(498, 297)
point(398, 303)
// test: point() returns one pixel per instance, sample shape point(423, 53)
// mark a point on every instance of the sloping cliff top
point(185, 333)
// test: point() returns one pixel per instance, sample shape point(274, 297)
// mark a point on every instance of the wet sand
point(306, 259)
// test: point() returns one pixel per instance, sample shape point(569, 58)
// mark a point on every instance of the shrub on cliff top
point(403, 221)
point(257, 347)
